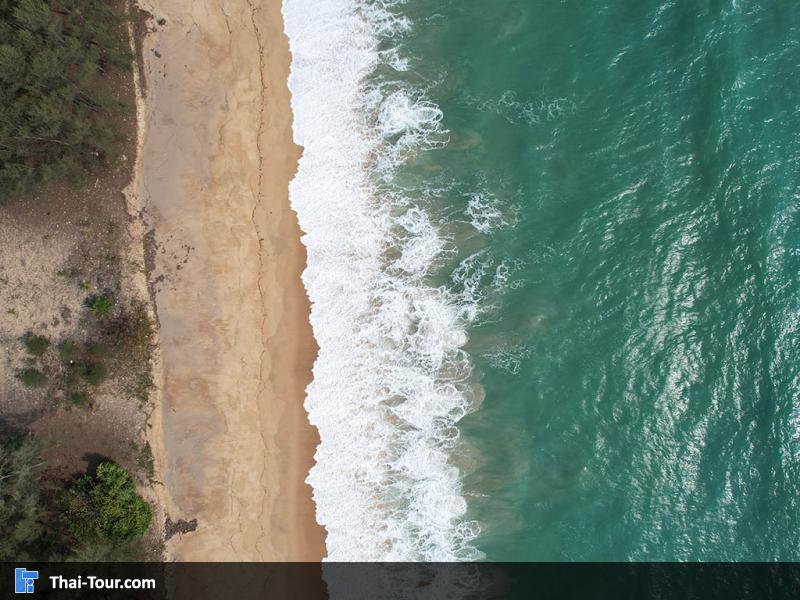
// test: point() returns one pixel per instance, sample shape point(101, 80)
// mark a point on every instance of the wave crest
point(391, 379)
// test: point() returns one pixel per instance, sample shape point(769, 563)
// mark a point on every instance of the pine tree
point(53, 122)
point(21, 530)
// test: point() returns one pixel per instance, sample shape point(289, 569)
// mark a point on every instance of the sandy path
point(236, 345)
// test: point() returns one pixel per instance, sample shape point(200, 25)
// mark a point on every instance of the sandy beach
point(231, 439)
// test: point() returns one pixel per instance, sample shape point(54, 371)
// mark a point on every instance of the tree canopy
point(53, 120)
point(106, 507)
point(21, 529)
point(103, 518)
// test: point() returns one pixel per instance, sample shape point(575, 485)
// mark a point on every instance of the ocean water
point(554, 263)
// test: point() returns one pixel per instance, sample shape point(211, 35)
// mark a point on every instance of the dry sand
point(232, 442)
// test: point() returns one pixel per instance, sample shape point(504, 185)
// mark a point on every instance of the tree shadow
point(93, 460)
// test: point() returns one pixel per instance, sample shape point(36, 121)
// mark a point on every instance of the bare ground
point(59, 247)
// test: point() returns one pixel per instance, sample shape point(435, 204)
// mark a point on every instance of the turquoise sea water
point(618, 194)
point(554, 265)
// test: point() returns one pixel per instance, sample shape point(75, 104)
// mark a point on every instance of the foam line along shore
point(391, 379)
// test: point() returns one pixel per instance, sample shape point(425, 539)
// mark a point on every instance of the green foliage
point(145, 460)
point(105, 551)
point(142, 387)
point(96, 352)
point(106, 508)
point(68, 351)
point(103, 517)
point(32, 378)
point(132, 331)
point(93, 372)
point(36, 344)
point(53, 120)
point(101, 305)
point(21, 531)
point(79, 399)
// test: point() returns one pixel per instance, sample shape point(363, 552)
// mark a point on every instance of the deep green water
point(640, 356)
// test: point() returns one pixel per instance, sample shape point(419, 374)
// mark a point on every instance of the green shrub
point(96, 352)
point(79, 399)
point(71, 379)
point(93, 372)
point(32, 378)
point(142, 387)
point(145, 460)
point(36, 344)
point(106, 507)
point(68, 351)
point(132, 331)
point(104, 551)
point(101, 305)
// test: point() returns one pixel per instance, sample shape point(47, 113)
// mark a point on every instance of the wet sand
point(231, 439)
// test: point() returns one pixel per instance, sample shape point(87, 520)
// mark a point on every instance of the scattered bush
point(93, 372)
point(145, 460)
point(68, 351)
point(32, 378)
point(104, 551)
point(71, 379)
point(79, 399)
point(131, 331)
point(36, 344)
point(106, 507)
point(96, 352)
point(101, 305)
point(141, 388)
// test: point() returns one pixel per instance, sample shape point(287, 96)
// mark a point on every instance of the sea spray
point(391, 380)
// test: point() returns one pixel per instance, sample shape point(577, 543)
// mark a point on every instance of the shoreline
point(232, 442)
point(140, 277)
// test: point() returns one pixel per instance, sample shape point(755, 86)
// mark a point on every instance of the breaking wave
point(391, 380)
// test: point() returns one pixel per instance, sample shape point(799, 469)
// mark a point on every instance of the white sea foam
point(391, 379)
point(485, 213)
point(529, 112)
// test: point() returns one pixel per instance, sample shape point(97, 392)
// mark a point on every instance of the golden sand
point(232, 442)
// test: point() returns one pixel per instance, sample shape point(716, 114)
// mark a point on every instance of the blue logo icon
point(23, 580)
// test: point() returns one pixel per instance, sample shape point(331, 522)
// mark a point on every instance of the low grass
point(36, 345)
point(94, 372)
point(32, 378)
point(68, 351)
point(79, 399)
point(145, 460)
point(101, 306)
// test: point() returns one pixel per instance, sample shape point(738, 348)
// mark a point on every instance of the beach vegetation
point(79, 399)
point(21, 530)
point(106, 508)
point(141, 388)
point(145, 461)
point(53, 56)
point(131, 331)
point(36, 345)
point(32, 378)
point(107, 551)
point(94, 372)
point(68, 351)
point(96, 351)
point(100, 305)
